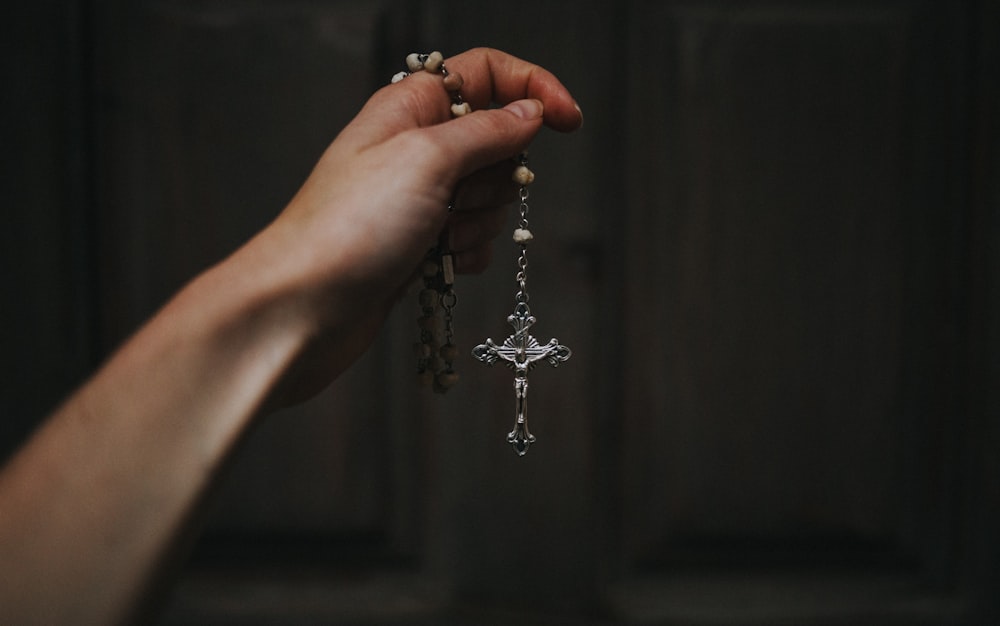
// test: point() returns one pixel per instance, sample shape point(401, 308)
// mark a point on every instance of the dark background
point(772, 249)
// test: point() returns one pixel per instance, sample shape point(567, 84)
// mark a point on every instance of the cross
point(521, 352)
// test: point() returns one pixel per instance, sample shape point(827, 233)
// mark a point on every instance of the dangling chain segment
point(434, 63)
point(524, 177)
point(521, 351)
point(436, 351)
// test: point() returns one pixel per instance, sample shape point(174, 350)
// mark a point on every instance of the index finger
point(493, 76)
point(489, 76)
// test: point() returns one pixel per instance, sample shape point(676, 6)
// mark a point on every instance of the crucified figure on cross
point(521, 352)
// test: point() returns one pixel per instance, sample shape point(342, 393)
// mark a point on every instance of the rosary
point(520, 351)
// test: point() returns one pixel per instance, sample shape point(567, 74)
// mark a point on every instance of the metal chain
point(521, 351)
point(436, 350)
point(448, 301)
point(522, 260)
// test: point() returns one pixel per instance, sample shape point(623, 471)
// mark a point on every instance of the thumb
point(485, 137)
point(526, 109)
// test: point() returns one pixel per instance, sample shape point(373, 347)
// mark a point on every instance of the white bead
point(447, 380)
point(427, 322)
point(428, 298)
point(413, 62)
point(429, 268)
point(448, 269)
point(453, 81)
point(448, 352)
point(400, 76)
point(434, 62)
point(460, 109)
point(523, 176)
point(522, 236)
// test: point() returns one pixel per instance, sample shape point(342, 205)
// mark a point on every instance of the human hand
point(125, 460)
point(351, 239)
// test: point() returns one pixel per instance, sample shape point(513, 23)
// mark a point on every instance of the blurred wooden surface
point(771, 248)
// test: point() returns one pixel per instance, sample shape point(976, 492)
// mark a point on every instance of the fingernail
point(525, 109)
point(580, 111)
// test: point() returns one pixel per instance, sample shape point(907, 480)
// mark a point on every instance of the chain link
point(524, 207)
point(522, 296)
point(448, 301)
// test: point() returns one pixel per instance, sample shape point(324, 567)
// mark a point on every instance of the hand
point(377, 200)
point(125, 461)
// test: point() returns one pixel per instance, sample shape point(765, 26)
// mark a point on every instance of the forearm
point(91, 505)
point(93, 502)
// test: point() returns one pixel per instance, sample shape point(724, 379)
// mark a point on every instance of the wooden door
point(795, 431)
point(770, 249)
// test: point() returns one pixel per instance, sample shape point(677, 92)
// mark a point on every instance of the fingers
point(483, 138)
point(471, 235)
point(470, 230)
point(487, 188)
point(474, 261)
point(490, 76)
point(404, 144)
point(495, 76)
point(483, 201)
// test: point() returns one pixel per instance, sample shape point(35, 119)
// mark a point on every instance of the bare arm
point(91, 506)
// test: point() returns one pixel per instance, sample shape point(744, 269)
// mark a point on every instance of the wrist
point(296, 302)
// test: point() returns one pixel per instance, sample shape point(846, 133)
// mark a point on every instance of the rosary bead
point(434, 62)
point(437, 339)
point(453, 81)
point(448, 269)
point(434, 361)
point(427, 322)
point(523, 176)
point(428, 298)
point(447, 380)
point(449, 352)
point(522, 236)
point(428, 268)
point(413, 62)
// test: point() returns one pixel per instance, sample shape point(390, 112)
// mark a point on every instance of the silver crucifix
point(521, 351)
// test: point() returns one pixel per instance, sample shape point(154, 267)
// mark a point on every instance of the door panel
point(771, 249)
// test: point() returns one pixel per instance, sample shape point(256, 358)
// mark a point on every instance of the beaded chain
point(434, 63)
point(436, 351)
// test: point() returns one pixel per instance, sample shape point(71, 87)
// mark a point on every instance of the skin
point(92, 507)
